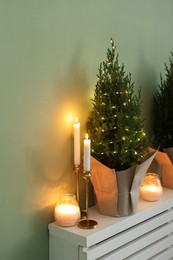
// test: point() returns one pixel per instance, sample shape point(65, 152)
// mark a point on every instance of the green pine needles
point(163, 109)
point(114, 124)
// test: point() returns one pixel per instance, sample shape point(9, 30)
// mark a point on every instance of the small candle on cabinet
point(87, 144)
point(76, 142)
point(151, 189)
point(67, 212)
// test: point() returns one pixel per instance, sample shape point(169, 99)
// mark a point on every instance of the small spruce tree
point(163, 109)
point(114, 124)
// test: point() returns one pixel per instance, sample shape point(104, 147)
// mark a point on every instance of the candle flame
point(76, 120)
point(67, 209)
point(86, 136)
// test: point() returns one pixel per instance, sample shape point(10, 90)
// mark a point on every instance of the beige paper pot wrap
point(165, 161)
point(116, 193)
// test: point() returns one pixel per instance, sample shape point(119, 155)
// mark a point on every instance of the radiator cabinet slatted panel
point(129, 235)
point(146, 235)
point(144, 254)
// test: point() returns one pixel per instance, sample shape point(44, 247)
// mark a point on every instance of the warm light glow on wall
point(69, 117)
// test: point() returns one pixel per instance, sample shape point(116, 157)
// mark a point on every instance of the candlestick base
point(87, 224)
point(83, 214)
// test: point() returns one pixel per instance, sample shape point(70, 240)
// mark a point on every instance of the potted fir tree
point(163, 109)
point(163, 124)
point(118, 138)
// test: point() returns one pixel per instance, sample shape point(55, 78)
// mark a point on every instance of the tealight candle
point(67, 212)
point(151, 189)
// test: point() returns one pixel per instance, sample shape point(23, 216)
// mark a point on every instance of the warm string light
point(114, 92)
point(108, 130)
point(124, 104)
point(111, 142)
point(115, 142)
point(103, 118)
point(112, 152)
point(126, 129)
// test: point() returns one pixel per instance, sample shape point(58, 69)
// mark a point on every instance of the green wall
point(50, 52)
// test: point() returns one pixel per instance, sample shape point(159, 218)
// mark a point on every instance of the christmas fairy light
point(113, 92)
point(107, 130)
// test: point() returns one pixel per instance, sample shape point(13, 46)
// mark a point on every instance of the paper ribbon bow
point(165, 160)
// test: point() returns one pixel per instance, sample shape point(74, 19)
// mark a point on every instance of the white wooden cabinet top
point(110, 226)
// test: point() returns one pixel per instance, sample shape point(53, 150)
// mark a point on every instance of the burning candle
point(67, 212)
point(151, 189)
point(76, 142)
point(87, 144)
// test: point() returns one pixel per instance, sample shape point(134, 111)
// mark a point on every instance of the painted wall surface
point(50, 53)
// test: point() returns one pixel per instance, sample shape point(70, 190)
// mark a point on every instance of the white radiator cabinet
point(148, 234)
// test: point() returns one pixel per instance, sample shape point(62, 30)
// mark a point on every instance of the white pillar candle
point(76, 142)
point(87, 144)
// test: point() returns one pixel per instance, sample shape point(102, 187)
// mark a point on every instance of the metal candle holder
point(87, 223)
point(76, 169)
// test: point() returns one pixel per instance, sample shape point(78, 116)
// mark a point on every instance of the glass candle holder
point(151, 188)
point(67, 211)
